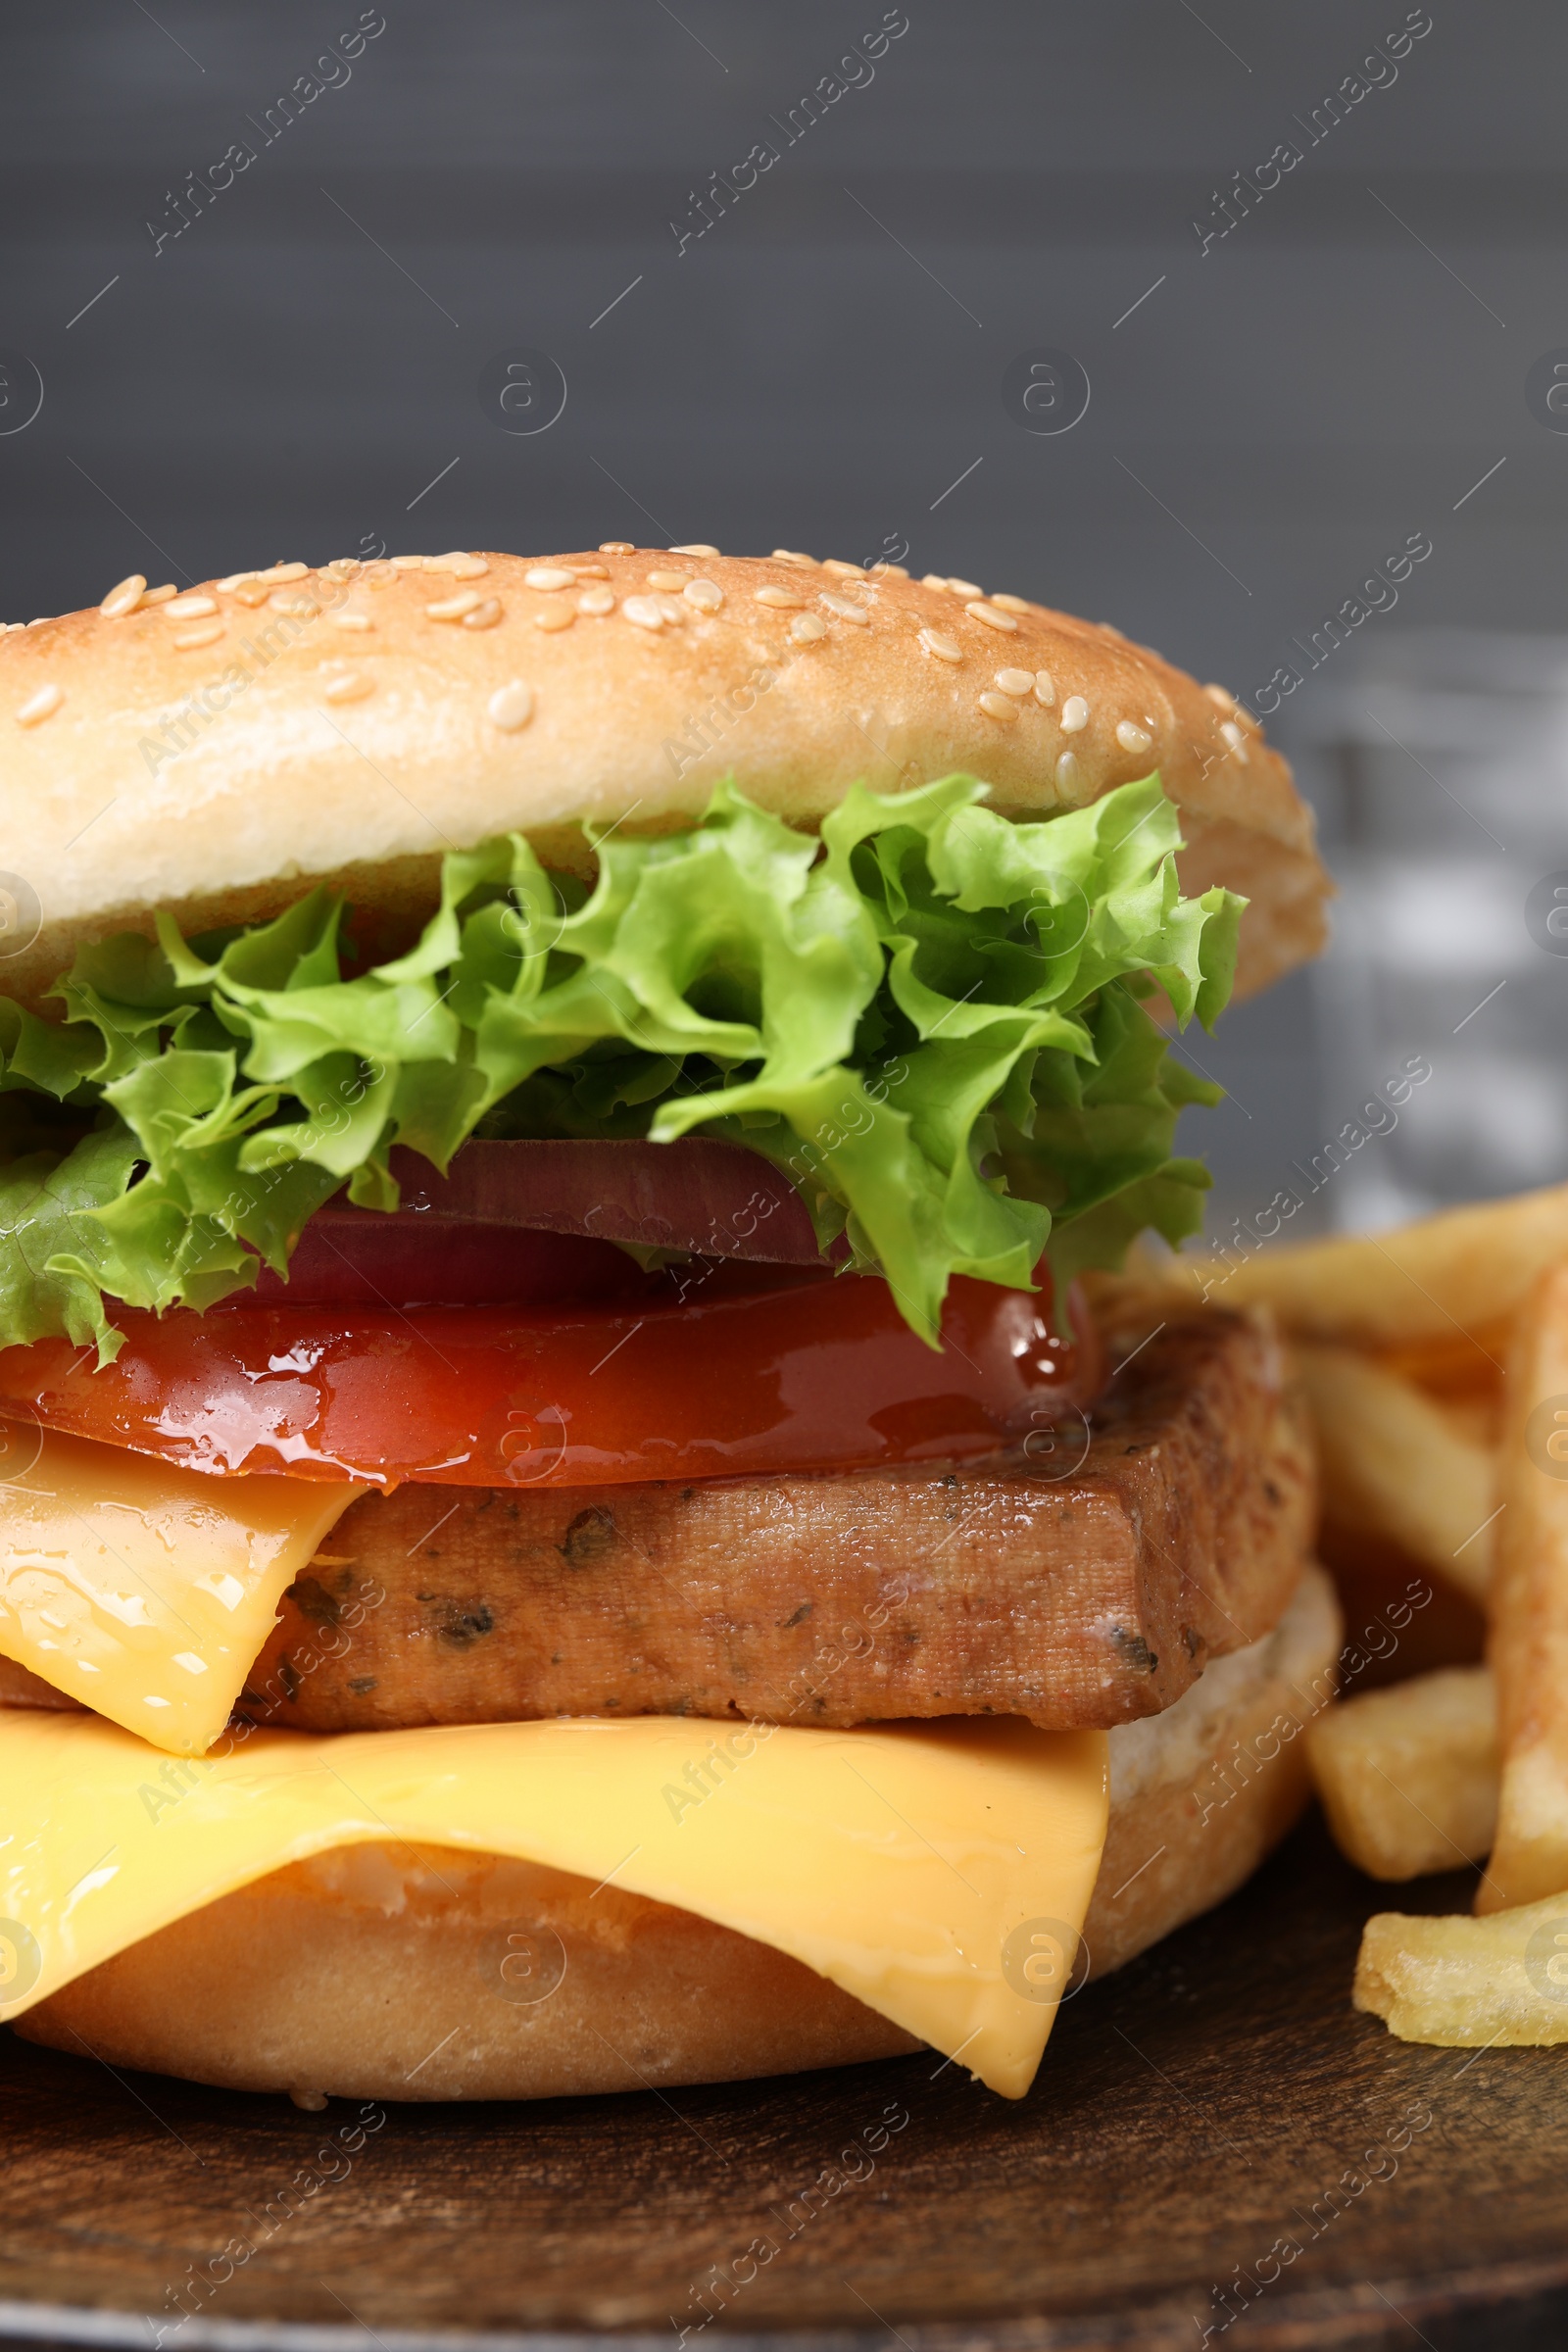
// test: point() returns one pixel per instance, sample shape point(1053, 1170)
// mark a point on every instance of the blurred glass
point(1440, 767)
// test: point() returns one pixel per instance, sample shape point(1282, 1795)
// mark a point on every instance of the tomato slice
point(810, 1372)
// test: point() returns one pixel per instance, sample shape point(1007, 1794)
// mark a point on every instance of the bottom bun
point(381, 1972)
point(1201, 1795)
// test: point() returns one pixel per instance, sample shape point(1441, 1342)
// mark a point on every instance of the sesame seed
point(205, 632)
point(350, 686)
point(847, 609)
point(343, 567)
point(589, 571)
point(189, 608)
point(549, 577)
point(964, 588)
point(233, 580)
point(698, 547)
point(673, 611)
point(643, 612)
point(351, 620)
point(998, 706)
point(846, 572)
point(790, 555)
point(979, 610)
point(1074, 715)
point(1233, 736)
point(460, 566)
point(936, 580)
point(1012, 604)
point(892, 571)
point(296, 571)
point(806, 628)
point(783, 599)
point(705, 595)
point(1223, 702)
point(944, 648)
point(249, 592)
point(296, 601)
point(39, 705)
point(511, 707)
point(485, 615)
point(1016, 682)
point(552, 619)
point(616, 547)
point(1132, 738)
point(1044, 690)
point(407, 563)
point(596, 602)
point(157, 596)
point(671, 582)
point(1067, 772)
point(123, 598)
point(453, 608)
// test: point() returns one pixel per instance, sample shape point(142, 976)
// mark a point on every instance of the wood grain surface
point(1214, 2101)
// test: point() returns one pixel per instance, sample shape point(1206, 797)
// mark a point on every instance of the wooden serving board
point(1197, 2117)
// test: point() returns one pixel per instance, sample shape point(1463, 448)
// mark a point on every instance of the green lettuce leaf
point(930, 1019)
point(55, 1260)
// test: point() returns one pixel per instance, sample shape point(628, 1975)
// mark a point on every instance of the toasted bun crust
point(216, 752)
point(390, 1973)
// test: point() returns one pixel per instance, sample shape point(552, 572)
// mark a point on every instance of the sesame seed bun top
point(217, 751)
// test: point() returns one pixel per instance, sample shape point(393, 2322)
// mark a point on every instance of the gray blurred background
point(1296, 370)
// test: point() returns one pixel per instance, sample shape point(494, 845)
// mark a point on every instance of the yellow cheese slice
point(144, 1591)
point(936, 1872)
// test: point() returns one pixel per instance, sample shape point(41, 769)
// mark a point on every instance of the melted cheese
point(146, 1592)
point(932, 1870)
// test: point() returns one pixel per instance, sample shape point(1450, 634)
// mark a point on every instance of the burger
point(583, 1505)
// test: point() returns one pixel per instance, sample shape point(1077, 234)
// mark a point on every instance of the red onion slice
point(711, 1197)
point(533, 1223)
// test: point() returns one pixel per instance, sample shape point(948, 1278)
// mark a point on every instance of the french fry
point(1394, 1464)
point(1459, 1275)
point(1468, 1983)
point(1409, 1777)
point(1474, 1419)
point(1530, 1610)
point(1459, 1370)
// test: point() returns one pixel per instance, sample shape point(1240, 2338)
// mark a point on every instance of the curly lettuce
point(933, 1020)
